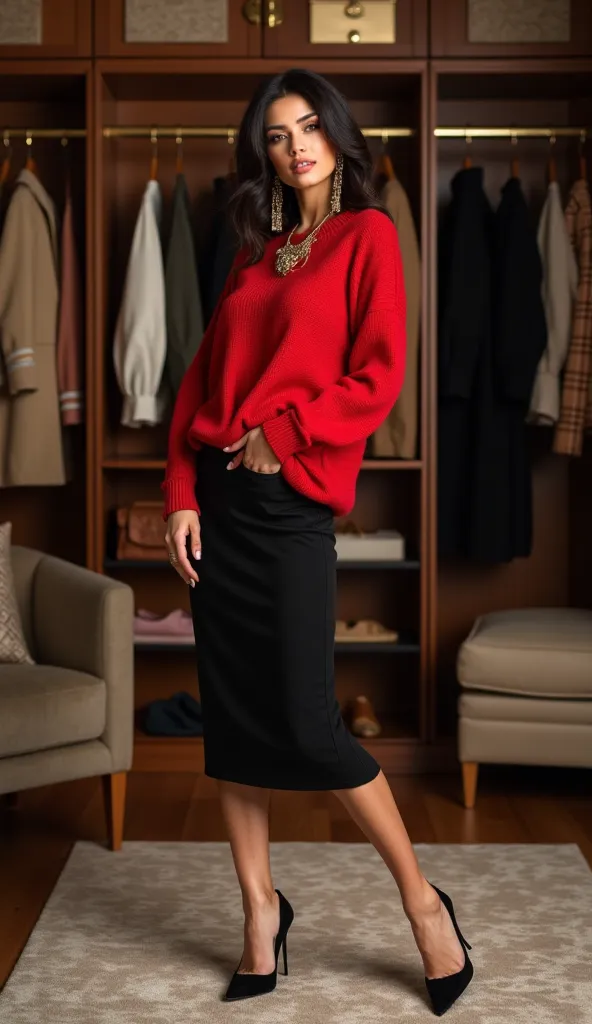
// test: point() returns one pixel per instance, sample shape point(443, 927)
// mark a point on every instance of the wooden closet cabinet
point(50, 28)
point(345, 29)
point(504, 28)
point(262, 28)
point(199, 28)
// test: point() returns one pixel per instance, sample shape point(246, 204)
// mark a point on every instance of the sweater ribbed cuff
point(282, 435)
point(179, 493)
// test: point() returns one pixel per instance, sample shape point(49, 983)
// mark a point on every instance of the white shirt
point(560, 282)
point(139, 346)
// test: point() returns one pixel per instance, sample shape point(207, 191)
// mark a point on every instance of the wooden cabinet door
point(45, 28)
point(183, 28)
point(504, 28)
point(339, 28)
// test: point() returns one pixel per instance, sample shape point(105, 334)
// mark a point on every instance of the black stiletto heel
point(443, 992)
point(243, 986)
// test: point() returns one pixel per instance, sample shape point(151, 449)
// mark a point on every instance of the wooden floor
point(514, 805)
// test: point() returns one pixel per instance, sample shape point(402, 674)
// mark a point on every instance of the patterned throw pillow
point(13, 646)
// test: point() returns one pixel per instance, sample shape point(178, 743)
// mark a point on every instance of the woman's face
point(298, 149)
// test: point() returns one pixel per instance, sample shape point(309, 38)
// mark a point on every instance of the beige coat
point(397, 436)
point(31, 450)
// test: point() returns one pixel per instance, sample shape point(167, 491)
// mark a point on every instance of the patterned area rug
point(152, 934)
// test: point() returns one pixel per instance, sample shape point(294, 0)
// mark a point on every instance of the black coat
point(492, 335)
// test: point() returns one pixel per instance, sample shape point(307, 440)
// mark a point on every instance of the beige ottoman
point(527, 682)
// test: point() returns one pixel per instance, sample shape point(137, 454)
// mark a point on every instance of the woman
point(302, 359)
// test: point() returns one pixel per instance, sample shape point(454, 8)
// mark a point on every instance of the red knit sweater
point(316, 358)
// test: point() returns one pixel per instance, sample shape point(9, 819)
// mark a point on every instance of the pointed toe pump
point(443, 992)
point(244, 986)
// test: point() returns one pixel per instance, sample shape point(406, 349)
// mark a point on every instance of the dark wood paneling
point(449, 32)
point(66, 32)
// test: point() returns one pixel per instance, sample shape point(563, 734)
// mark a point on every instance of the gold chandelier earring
point(337, 183)
point(277, 199)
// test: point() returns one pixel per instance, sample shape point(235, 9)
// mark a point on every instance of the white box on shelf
point(382, 545)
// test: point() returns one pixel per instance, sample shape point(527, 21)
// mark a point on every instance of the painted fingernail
point(197, 553)
point(229, 464)
point(226, 449)
point(191, 583)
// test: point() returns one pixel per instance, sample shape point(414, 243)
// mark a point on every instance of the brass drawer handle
point(354, 36)
point(354, 10)
point(275, 14)
point(252, 11)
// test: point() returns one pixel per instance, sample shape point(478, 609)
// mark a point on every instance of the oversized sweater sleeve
point(357, 403)
point(178, 485)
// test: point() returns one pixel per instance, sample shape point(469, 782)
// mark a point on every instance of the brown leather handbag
point(140, 531)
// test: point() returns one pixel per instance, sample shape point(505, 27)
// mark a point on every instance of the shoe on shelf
point(364, 721)
point(244, 986)
point(443, 992)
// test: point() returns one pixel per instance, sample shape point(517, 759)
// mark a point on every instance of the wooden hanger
point(514, 163)
point(383, 166)
point(552, 165)
point(30, 164)
point(232, 158)
point(467, 162)
point(5, 169)
point(154, 158)
point(179, 160)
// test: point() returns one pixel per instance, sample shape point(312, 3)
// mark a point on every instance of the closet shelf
point(112, 564)
point(407, 645)
point(145, 462)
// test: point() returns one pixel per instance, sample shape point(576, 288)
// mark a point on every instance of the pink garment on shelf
point(177, 624)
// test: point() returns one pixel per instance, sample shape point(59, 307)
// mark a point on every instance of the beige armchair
point(70, 715)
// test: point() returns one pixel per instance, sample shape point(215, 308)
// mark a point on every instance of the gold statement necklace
point(289, 256)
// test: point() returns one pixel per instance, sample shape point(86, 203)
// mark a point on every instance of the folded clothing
point(179, 715)
point(177, 623)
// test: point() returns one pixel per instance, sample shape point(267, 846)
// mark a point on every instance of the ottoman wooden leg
point(469, 775)
point(114, 798)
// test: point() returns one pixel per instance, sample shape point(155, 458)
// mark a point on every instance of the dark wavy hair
point(249, 207)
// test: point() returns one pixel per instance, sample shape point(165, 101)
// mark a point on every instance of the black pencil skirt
point(264, 619)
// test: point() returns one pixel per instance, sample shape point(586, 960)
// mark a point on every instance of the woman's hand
point(181, 525)
point(257, 456)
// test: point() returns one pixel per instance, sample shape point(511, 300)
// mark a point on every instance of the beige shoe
point(366, 630)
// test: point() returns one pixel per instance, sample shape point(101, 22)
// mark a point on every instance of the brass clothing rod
point(511, 133)
point(192, 131)
point(43, 133)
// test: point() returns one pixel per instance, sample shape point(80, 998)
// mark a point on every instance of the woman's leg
point(246, 814)
point(373, 808)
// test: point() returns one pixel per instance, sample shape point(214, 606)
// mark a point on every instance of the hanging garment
point(560, 282)
point(31, 441)
point(397, 436)
point(70, 344)
point(464, 350)
point(184, 319)
point(502, 519)
point(576, 396)
point(222, 248)
point(139, 347)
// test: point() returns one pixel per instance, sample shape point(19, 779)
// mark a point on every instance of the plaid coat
point(576, 397)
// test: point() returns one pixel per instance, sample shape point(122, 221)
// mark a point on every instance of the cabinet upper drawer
point(359, 21)
point(345, 28)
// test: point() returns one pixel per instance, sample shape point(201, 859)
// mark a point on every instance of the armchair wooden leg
point(469, 776)
point(114, 797)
